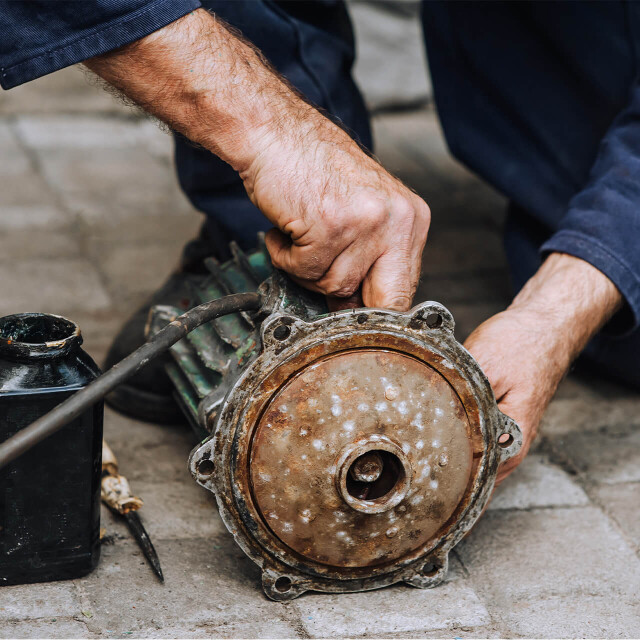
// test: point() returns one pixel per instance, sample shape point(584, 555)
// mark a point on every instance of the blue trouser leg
point(524, 100)
point(617, 357)
point(311, 44)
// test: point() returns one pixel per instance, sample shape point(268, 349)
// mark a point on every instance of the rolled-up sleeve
point(602, 223)
point(42, 36)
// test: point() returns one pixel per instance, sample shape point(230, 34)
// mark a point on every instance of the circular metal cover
point(355, 451)
point(333, 412)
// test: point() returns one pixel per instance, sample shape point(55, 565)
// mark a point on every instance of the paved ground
point(92, 220)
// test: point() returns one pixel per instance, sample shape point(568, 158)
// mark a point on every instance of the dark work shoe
point(149, 394)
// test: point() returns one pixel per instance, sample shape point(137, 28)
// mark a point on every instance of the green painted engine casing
point(205, 364)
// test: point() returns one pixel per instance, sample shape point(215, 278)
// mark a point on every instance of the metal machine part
point(347, 451)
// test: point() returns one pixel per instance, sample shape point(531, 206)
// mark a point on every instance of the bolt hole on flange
point(206, 467)
point(283, 584)
point(362, 318)
point(374, 475)
point(434, 320)
point(281, 332)
point(505, 440)
point(430, 569)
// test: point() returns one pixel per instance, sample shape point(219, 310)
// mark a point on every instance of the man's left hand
point(526, 350)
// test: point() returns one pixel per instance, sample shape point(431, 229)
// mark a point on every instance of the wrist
point(572, 301)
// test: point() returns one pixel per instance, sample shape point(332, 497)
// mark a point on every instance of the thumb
point(389, 284)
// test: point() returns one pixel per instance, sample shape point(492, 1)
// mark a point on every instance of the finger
point(306, 262)
point(348, 270)
point(390, 283)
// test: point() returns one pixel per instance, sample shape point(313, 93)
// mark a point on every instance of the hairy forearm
point(340, 220)
point(573, 299)
point(208, 84)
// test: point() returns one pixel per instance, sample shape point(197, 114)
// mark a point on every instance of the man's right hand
point(341, 220)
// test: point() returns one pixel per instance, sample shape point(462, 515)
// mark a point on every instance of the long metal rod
point(156, 345)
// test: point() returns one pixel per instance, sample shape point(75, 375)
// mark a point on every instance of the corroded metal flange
point(355, 450)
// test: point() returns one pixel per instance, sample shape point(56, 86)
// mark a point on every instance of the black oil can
point(49, 496)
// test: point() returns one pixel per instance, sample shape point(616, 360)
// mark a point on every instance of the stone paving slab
point(573, 617)
point(607, 456)
point(54, 286)
point(149, 452)
point(38, 245)
point(46, 628)
point(209, 584)
point(43, 216)
point(538, 483)
point(171, 511)
point(135, 267)
point(53, 132)
point(587, 413)
point(95, 189)
point(66, 91)
point(396, 609)
point(42, 600)
point(622, 503)
point(530, 556)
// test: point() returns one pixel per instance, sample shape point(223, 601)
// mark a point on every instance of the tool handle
point(109, 460)
point(114, 488)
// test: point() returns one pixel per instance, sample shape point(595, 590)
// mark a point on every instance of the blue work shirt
point(541, 99)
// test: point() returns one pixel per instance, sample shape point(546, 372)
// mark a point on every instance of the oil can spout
point(96, 390)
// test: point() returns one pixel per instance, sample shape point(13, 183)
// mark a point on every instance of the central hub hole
point(374, 474)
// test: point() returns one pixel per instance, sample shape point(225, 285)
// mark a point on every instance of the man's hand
point(341, 220)
point(526, 350)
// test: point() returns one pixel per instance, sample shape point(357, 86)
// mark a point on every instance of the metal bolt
point(367, 468)
point(443, 460)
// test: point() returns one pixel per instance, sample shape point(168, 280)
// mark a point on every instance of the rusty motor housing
point(347, 451)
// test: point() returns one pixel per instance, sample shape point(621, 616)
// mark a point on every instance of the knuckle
point(404, 208)
point(340, 288)
point(373, 209)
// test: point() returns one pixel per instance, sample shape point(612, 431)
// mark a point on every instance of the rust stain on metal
point(327, 409)
point(354, 450)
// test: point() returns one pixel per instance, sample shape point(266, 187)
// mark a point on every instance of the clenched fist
point(341, 220)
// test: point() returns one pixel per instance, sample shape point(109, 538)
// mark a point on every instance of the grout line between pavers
point(85, 605)
point(291, 614)
point(75, 220)
point(560, 459)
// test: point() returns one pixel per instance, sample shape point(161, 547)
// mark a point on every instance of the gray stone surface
point(622, 503)
point(46, 628)
point(390, 66)
point(397, 610)
point(91, 220)
point(590, 557)
point(538, 483)
point(209, 585)
point(39, 601)
point(609, 455)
